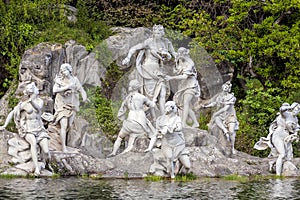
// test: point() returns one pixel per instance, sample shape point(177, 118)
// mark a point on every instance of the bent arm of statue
point(132, 50)
point(149, 103)
point(57, 88)
point(8, 119)
point(171, 49)
point(212, 104)
point(179, 77)
point(36, 105)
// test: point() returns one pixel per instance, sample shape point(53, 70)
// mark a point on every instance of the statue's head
point(285, 107)
point(158, 31)
point(170, 107)
point(134, 85)
point(226, 87)
point(183, 51)
point(31, 89)
point(66, 69)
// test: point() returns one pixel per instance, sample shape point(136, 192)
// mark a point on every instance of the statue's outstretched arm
point(8, 119)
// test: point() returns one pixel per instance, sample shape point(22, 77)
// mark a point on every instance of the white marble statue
point(67, 88)
point(169, 126)
point(188, 88)
point(136, 123)
point(224, 118)
point(282, 132)
point(149, 63)
point(27, 117)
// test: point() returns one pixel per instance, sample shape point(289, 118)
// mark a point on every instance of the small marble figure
point(188, 88)
point(149, 63)
point(66, 88)
point(282, 132)
point(173, 143)
point(136, 123)
point(225, 116)
point(27, 117)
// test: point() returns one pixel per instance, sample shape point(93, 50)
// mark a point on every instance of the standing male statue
point(67, 88)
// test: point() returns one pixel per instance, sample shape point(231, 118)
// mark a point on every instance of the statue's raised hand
point(167, 78)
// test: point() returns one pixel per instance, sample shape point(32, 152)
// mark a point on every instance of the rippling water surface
point(78, 188)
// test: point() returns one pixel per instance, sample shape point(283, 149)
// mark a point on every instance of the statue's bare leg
point(131, 140)
point(116, 147)
point(220, 124)
point(194, 118)
point(231, 128)
point(168, 153)
point(173, 169)
point(45, 148)
point(63, 133)
point(162, 99)
point(30, 138)
point(185, 161)
point(151, 144)
point(279, 145)
point(153, 115)
point(186, 106)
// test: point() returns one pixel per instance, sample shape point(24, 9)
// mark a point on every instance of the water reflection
point(78, 188)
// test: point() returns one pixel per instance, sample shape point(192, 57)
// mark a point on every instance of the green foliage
point(27, 23)
point(258, 110)
point(185, 177)
point(105, 115)
point(98, 112)
point(235, 177)
point(10, 176)
point(179, 177)
point(113, 75)
point(153, 178)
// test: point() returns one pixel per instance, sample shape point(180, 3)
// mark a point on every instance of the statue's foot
point(195, 125)
point(37, 172)
point(111, 155)
point(184, 125)
point(172, 176)
point(233, 151)
point(65, 150)
point(147, 150)
point(125, 151)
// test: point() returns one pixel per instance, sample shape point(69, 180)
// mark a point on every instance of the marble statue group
point(151, 89)
point(28, 115)
point(151, 109)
